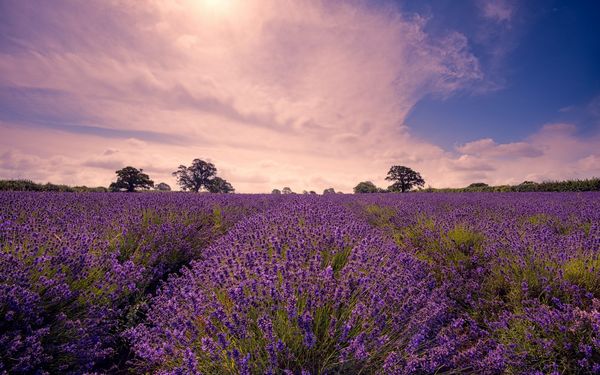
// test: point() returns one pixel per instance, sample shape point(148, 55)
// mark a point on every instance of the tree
point(130, 178)
point(287, 190)
point(276, 191)
point(365, 187)
point(163, 187)
point(312, 192)
point(478, 185)
point(404, 177)
point(219, 185)
point(196, 176)
point(329, 191)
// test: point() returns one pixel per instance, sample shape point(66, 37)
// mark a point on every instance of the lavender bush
point(305, 288)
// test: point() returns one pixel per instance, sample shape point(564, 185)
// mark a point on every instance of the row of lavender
point(524, 267)
point(479, 283)
point(76, 270)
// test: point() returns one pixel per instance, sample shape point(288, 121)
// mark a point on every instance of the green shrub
point(584, 271)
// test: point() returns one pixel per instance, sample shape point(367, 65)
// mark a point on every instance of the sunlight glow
point(220, 6)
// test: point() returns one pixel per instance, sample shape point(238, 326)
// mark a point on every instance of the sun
point(217, 5)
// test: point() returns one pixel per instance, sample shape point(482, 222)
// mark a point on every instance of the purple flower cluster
point(525, 267)
point(307, 287)
point(258, 284)
point(76, 269)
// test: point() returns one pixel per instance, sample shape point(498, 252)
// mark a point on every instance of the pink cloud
point(321, 88)
point(554, 152)
point(470, 163)
point(487, 147)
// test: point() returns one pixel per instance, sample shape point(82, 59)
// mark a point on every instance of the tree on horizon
point(130, 178)
point(365, 187)
point(405, 178)
point(201, 174)
point(219, 185)
point(163, 186)
point(196, 176)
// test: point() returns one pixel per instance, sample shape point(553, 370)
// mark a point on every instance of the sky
point(305, 94)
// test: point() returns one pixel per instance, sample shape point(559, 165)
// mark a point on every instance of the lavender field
point(177, 283)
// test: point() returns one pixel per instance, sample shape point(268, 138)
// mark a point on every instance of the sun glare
point(216, 5)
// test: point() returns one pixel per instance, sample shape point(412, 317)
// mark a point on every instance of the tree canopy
point(219, 185)
point(329, 191)
point(129, 179)
point(163, 186)
point(478, 185)
point(365, 187)
point(404, 178)
point(201, 174)
point(196, 176)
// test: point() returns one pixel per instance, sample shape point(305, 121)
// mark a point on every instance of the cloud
point(470, 163)
point(304, 94)
point(497, 32)
point(105, 163)
point(321, 88)
point(487, 147)
point(500, 11)
point(566, 109)
point(593, 108)
point(555, 152)
point(18, 165)
point(558, 129)
point(590, 163)
point(10, 160)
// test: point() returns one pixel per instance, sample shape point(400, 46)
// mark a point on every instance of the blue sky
point(309, 94)
point(548, 70)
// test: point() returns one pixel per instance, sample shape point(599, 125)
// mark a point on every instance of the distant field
point(185, 283)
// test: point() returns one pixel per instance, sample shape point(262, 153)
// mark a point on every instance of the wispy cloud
point(487, 147)
point(500, 11)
